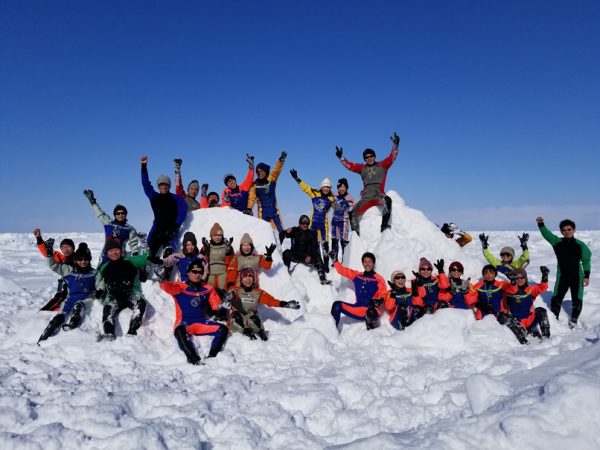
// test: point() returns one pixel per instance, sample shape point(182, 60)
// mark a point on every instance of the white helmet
point(326, 182)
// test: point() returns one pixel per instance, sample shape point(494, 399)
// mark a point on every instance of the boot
point(518, 330)
point(136, 317)
point(325, 248)
point(344, 243)
point(75, 318)
point(322, 278)
point(263, 335)
point(186, 346)
point(387, 212)
point(544, 323)
point(218, 342)
point(107, 322)
point(334, 248)
point(555, 306)
point(51, 328)
point(372, 318)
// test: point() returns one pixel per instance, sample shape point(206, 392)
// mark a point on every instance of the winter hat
point(395, 273)
point(163, 179)
point(246, 239)
point(456, 264)
point(213, 194)
point(247, 271)
point(215, 230)
point(68, 242)
point(303, 219)
point(522, 272)
point(227, 177)
point(425, 264)
point(490, 268)
point(83, 252)
point(263, 166)
point(508, 250)
point(111, 244)
point(368, 255)
point(195, 264)
point(326, 182)
point(368, 152)
point(194, 184)
point(189, 237)
point(118, 208)
point(342, 181)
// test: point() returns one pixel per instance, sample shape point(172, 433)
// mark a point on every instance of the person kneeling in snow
point(118, 278)
point(460, 294)
point(370, 291)
point(245, 300)
point(399, 301)
point(507, 255)
point(80, 281)
point(519, 304)
point(432, 285)
point(193, 299)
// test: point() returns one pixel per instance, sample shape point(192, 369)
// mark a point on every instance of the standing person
point(65, 256)
point(79, 279)
point(263, 192)
point(370, 291)
point(234, 195)
point(192, 189)
point(452, 231)
point(169, 211)
point(433, 285)
point(373, 175)
point(218, 252)
point(114, 229)
point(193, 299)
point(119, 286)
point(340, 222)
point(399, 301)
point(322, 200)
point(573, 259)
point(247, 258)
point(460, 294)
point(507, 263)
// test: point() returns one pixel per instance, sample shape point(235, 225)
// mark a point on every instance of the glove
point(484, 240)
point(292, 304)
point(177, 163)
point(248, 212)
point(49, 244)
point(339, 152)
point(395, 139)
point(205, 246)
point(523, 239)
point(204, 190)
point(418, 279)
point(512, 277)
point(250, 161)
point(226, 197)
point(89, 194)
point(283, 156)
point(333, 255)
point(229, 241)
point(376, 302)
point(225, 305)
point(294, 175)
point(464, 288)
point(439, 265)
point(545, 271)
point(269, 253)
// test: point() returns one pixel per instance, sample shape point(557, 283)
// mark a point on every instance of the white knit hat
point(326, 182)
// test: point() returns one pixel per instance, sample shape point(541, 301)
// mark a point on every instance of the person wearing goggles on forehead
point(116, 229)
point(433, 285)
point(399, 301)
point(460, 294)
point(506, 263)
point(373, 175)
point(573, 259)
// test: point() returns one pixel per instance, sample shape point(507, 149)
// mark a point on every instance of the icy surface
point(448, 381)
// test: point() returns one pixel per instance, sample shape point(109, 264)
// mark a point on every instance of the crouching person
point(80, 281)
point(118, 284)
point(245, 300)
point(193, 300)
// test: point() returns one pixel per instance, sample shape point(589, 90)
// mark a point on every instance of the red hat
point(456, 264)
point(424, 263)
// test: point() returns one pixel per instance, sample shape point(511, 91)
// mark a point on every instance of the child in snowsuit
point(373, 175)
point(399, 301)
point(507, 255)
point(460, 294)
point(248, 259)
point(263, 192)
point(218, 253)
point(370, 293)
point(451, 231)
point(234, 195)
point(192, 189)
point(304, 248)
point(80, 281)
point(67, 248)
point(340, 221)
point(169, 211)
point(573, 259)
point(193, 299)
point(322, 200)
point(245, 299)
point(432, 285)
point(181, 260)
point(119, 287)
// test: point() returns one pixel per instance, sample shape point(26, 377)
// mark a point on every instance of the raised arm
point(148, 189)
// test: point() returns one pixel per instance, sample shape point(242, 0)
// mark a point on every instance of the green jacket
point(520, 263)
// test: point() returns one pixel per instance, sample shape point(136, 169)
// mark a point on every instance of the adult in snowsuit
point(322, 201)
point(491, 294)
point(263, 192)
point(452, 231)
point(192, 189)
point(234, 195)
point(209, 199)
point(169, 211)
point(340, 221)
point(181, 260)
point(304, 248)
point(245, 299)
point(247, 258)
point(507, 262)
point(433, 286)
point(460, 294)
point(373, 175)
point(573, 259)
point(79, 279)
point(119, 287)
point(116, 229)
point(64, 256)
point(519, 304)
point(370, 290)
point(193, 301)
point(218, 252)
point(399, 301)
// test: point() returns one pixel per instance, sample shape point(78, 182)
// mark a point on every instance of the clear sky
point(497, 103)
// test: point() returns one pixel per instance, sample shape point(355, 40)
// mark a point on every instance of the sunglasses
point(120, 213)
point(304, 223)
point(80, 259)
point(455, 269)
point(399, 277)
point(425, 269)
point(196, 272)
point(521, 278)
point(505, 254)
point(566, 229)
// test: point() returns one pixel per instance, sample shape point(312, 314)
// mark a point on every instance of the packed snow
point(448, 381)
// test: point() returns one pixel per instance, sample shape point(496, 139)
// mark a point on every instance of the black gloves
point(333, 255)
point(291, 304)
point(395, 140)
point(339, 152)
point(177, 163)
point(523, 239)
point(418, 279)
point(204, 190)
point(283, 156)
point(205, 246)
point(49, 244)
point(89, 194)
point(294, 175)
point(250, 161)
point(512, 277)
point(269, 253)
point(484, 240)
point(439, 265)
point(376, 302)
point(545, 271)
point(99, 294)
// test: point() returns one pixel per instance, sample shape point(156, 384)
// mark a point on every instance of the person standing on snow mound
point(322, 200)
point(452, 231)
point(573, 259)
point(169, 211)
point(373, 175)
point(340, 222)
point(370, 291)
point(433, 286)
point(234, 195)
point(507, 254)
point(304, 248)
point(263, 192)
point(247, 258)
point(80, 281)
point(193, 300)
point(192, 190)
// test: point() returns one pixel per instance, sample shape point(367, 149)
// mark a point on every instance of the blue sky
point(497, 103)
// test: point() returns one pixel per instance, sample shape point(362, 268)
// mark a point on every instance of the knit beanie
point(522, 272)
point(395, 273)
point(68, 242)
point(163, 179)
point(118, 208)
point(189, 237)
point(112, 244)
point(342, 181)
point(326, 183)
point(508, 250)
point(246, 239)
point(264, 167)
point(83, 252)
point(195, 264)
point(215, 230)
point(247, 272)
point(425, 264)
point(456, 264)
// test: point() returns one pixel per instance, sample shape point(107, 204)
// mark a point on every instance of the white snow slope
point(447, 381)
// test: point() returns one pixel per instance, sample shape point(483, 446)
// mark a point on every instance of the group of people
point(217, 289)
